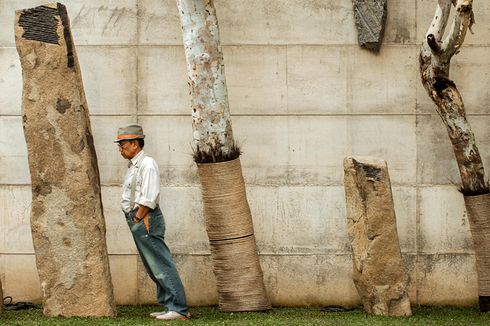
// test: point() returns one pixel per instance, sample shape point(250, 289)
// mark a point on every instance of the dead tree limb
point(435, 58)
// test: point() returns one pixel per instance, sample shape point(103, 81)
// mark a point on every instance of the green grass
point(138, 315)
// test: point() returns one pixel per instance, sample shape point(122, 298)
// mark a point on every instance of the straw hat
point(129, 132)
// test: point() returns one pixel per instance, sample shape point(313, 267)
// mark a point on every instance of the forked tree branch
point(435, 57)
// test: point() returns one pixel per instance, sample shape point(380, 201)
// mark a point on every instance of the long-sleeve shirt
point(147, 190)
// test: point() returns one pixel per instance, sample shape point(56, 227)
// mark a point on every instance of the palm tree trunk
point(213, 135)
point(239, 277)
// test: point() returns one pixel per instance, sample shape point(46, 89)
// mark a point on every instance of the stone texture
point(378, 271)
point(67, 220)
point(370, 18)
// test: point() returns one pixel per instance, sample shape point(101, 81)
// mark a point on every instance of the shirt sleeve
point(150, 184)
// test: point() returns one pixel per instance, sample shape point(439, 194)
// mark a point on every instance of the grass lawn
point(137, 315)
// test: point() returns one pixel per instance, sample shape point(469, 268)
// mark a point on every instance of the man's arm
point(150, 189)
point(142, 214)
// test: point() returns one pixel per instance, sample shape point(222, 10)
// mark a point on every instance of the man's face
point(129, 148)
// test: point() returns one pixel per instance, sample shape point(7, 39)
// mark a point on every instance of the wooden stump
point(378, 271)
point(67, 221)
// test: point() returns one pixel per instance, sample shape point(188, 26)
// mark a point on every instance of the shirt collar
point(137, 158)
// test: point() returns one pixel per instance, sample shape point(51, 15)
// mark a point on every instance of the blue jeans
point(158, 260)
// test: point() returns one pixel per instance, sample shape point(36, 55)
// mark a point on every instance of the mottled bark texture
point(228, 220)
point(67, 220)
point(378, 271)
point(213, 135)
point(370, 18)
point(435, 58)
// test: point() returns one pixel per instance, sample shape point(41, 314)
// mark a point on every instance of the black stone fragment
point(370, 18)
point(40, 24)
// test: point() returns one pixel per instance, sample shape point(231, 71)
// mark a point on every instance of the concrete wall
point(303, 96)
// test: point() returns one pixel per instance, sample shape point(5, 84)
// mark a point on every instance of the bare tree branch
point(463, 20)
point(438, 25)
point(434, 68)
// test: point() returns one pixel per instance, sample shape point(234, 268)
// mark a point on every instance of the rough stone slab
point(67, 220)
point(370, 18)
point(378, 271)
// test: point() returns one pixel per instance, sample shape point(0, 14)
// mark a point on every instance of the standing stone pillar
point(67, 220)
point(378, 271)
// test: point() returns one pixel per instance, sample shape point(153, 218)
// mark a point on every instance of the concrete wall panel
point(447, 280)
point(389, 137)
point(159, 22)
point(162, 77)
point(15, 230)
point(443, 222)
point(19, 277)
point(303, 96)
point(123, 273)
point(92, 22)
point(10, 82)
point(14, 168)
point(109, 75)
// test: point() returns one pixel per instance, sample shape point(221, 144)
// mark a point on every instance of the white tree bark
point(206, 71)
point(435, 57)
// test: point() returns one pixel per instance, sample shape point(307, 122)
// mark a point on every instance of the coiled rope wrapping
point(239, 278)
point(478, 208)
point(238, 275)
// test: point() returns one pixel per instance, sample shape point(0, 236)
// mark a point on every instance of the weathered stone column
point(67, 220)
point(378, 271)
point(370, 17)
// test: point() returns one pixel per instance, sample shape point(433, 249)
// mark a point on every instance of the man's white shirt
point(147, 190)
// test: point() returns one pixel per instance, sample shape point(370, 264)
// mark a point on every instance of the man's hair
point(141, 142)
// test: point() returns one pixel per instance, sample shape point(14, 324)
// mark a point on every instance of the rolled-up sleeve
point(150, 185)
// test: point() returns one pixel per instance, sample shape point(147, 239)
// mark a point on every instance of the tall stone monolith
point(378, 271)
point(67, 221)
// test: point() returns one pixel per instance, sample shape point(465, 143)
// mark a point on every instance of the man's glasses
point(121, 144)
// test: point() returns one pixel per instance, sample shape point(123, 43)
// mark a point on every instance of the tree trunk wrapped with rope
point(229, 225)
point(435, 57)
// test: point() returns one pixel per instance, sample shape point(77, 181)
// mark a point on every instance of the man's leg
point(159, 263)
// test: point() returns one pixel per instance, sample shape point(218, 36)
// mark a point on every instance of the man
point(141, 193)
